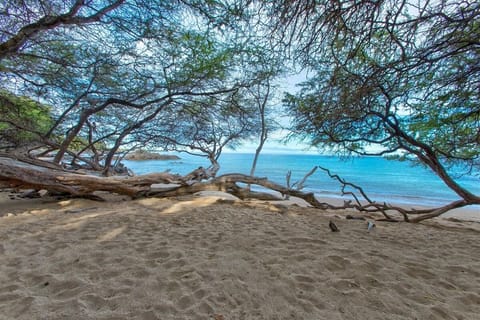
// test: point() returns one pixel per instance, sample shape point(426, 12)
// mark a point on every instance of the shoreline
point(19, 205)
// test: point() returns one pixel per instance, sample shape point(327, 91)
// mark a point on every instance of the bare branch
point(299, 185)
point(29, 31)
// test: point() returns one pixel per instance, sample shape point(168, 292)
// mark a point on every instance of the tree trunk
point(264, 132)
point(37, 175)
point(72, 134)
point(20, 174)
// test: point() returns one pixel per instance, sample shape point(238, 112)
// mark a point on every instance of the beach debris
point(333, 226)
point(30, 194)
point(350, 217)
point(80, 210)
point(218, 317)
point(370, 226)
point(280, 208)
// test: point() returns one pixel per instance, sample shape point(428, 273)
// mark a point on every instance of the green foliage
point(23, 119)
point(412, 86)
point(147, 73)
point(80, 143)
point(198, 57)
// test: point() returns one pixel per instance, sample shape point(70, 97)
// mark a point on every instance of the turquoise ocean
point(382, 179)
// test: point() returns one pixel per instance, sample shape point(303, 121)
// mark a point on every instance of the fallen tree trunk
point(20, 174)
point(16, 173)
point(35, 175)
point(228, 183)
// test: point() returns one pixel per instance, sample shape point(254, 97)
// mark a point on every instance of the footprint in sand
point(173, 288)
point(147, 315)
point(439, 312)
point(368, 281)
point(205, 308)
point(159, 254)
point(345, 285)
point(447, 284)
point(307, 242)
point(470, 299)
point(420, 273)
point(140, 273)
point(9, 297)
point(165, 308)
point(336, 263)
point(185, 302)
point(304, 283)
point(462, 269)
point(200, 294)
point(69, 289)
point(304, 279)
point(174, 263)
point(93, 302)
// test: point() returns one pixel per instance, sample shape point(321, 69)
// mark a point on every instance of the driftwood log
point(20, 174)
point(35, 174)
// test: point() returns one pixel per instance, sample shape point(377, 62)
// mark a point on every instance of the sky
point(275, 143)
point(274, 146)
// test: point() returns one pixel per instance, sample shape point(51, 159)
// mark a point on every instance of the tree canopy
point(23, 120)
point(87, 80)
point(123, 73)
point(390, 77)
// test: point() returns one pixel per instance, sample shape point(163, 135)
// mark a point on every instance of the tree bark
point(28, 32)
point(37, 175)
point(20, 174)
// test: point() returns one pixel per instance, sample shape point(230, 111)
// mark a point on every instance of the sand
point(201, 258)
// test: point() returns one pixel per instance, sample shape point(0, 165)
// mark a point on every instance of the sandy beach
point(201, 258)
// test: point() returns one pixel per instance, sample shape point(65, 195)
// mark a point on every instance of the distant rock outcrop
point(145, 155)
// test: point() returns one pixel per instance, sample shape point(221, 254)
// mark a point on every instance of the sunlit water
point(381, 179)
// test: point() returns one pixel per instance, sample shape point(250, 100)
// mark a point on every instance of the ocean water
point(382, 179)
